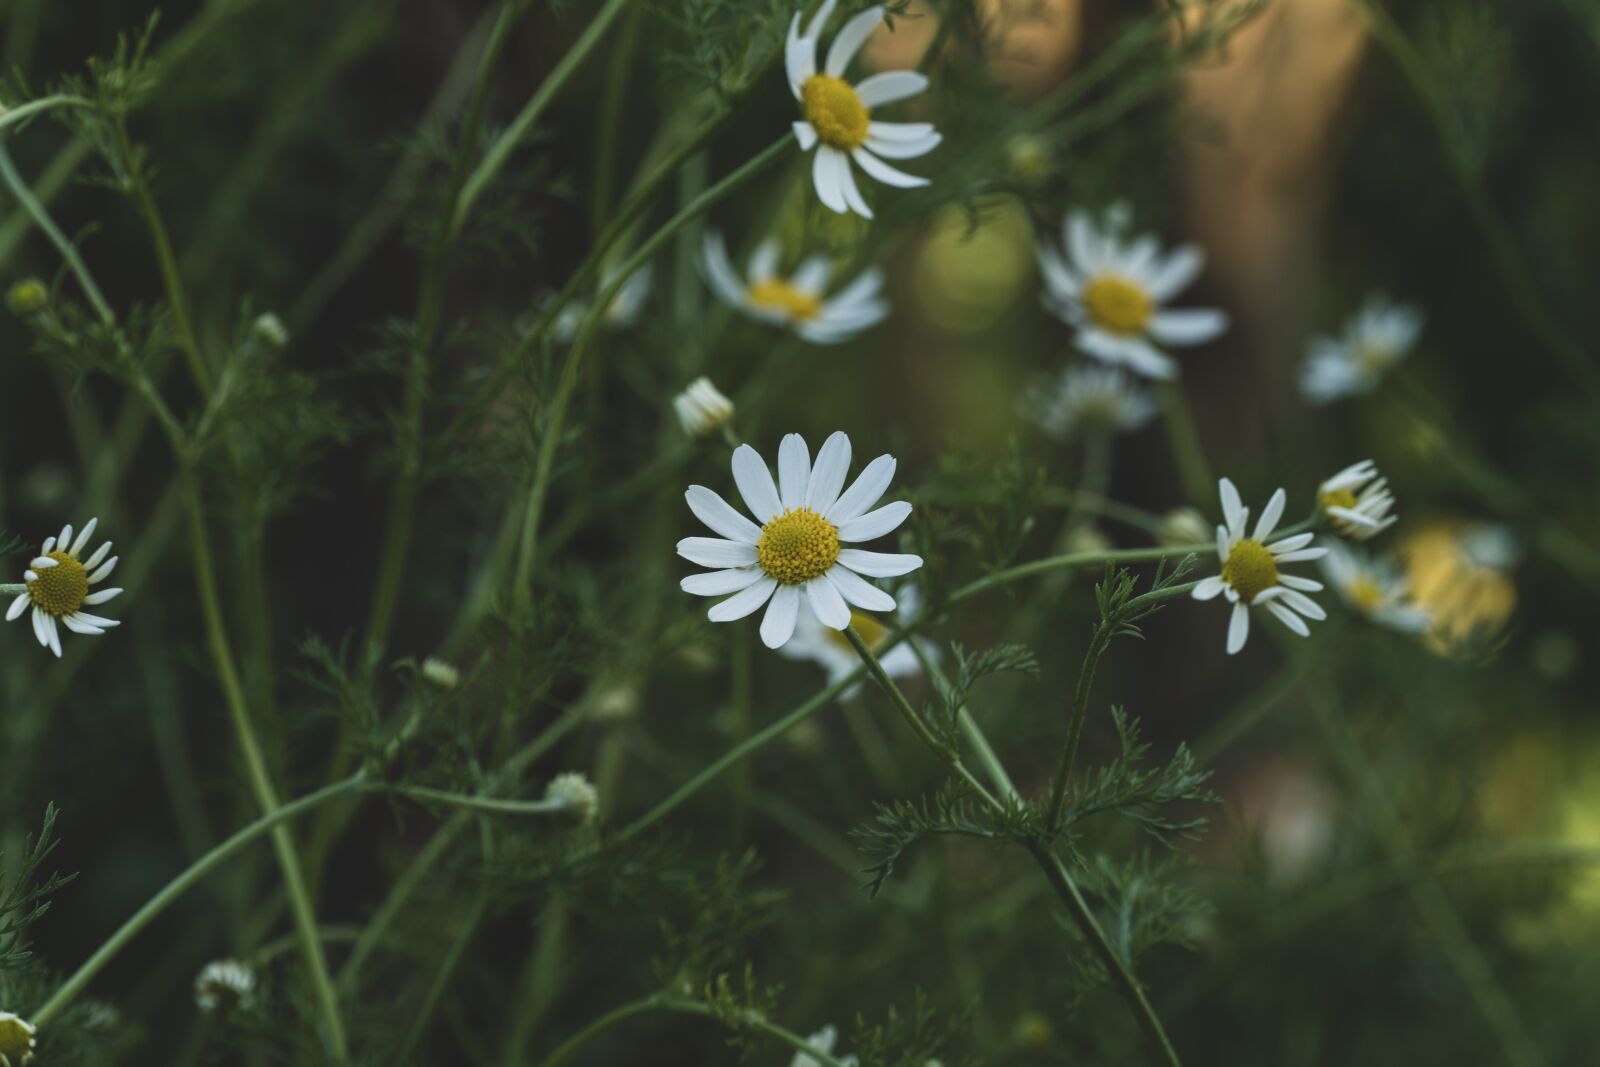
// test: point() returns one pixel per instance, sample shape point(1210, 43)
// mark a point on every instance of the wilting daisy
point(1113, 290)
point(224, 984)
point(701, 408)
point(823, 1041)
point(623, 310)
point(1375, 589)
point(1250, 574)
point(1357, 501)
point(831, 650)
point(797, 301)
point(1375, 338)
point(797, 552)
point(58, 584)
point(16, 1039)
point(838, 119)
point(1089, 397)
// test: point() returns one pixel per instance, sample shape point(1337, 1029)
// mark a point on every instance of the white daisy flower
point(16, 1039)
point(797, 552)
point(1375, 338)
point(1092, 397)
point(838, 119)
point(1357, 501)
point(796, 302)
point(270, 328)
point(1375, 589)
point(1250, 574)
point(831, 650)
point(701, 408)
point(225, 984)
point(624, 310)
point(577, 794)
point(1113, 290)
point(58, 582)
point(823, 1041)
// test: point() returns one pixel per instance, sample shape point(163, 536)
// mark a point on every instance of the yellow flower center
point(871, 630)
point(1373, 358)
point(1365, 594)
point(797, 546)
point(1118, 305)
point(60, 590)
point(1250, 569)
point(16, 1040)
point(835, 110)
point(1339, 498)
point(775, 294)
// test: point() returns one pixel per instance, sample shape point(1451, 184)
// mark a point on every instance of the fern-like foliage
point(949, 812)
point(1134, 788)
point(23, 901)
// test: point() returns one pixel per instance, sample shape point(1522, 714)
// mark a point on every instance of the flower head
point(16, 1039)
point(838, 120)
point(271, 329)
point(27, 296)
point(796, 550)
point(442, 674)
point(577, 794)
point(1357, 501)
point(1250, 569)
point(1090, 397)
point(833, 652)
point(1375, 589)
point(1375, 339)
point(58, 584)
point(1112, 290)
point(701, 408)
point(224, 984)
point(823, 1041)
point(796, 301)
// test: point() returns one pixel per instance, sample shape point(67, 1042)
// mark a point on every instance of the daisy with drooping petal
point(1375, 339)
point(1375, 589)
point(1250, 574)
point(622, 312)
point(796, 302)
point(224, 984)
point(1357, 501)
point(823, 1041)
point(833, 651)
point(58, 583)
point(838, 119)
point(1112, 290)
point(1090, 397)
point(796, 557)
point(701, 408)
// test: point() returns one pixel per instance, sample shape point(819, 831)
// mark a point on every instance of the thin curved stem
point(42, 219)
point(23, 112)
point(490, 805)
point(660, 1002)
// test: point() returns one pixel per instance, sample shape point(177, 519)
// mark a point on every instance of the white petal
point(1057, 275)
point(719, 270)
point(900, 132)
point(104, 570)
point(890, 86)
point(43, 563)
point(66, 537)
point(875, 524)
point(1268, 520)
point(38, 627)
point(764, 260)
point(865, 287)
point(827, 477)
point(794, 50)
point(869, 485)
point(884, 173)
point(820, 19)
point(1289, 619)
point(52, 633)
point(19, 605)
point(755, 483)
point(30, 576)
point(794, 471)
point(73, 623)
point(827, 604)
point(825, 169)
point(49, 543)
point(1304, 553)
point(1294, 581)
point(1233, 509)
point(718, 514)
point(1289, 544)
point(806, 135)
point(1224, 542)
point(99, 554)
point(94, 620)
point(777, 625)
point(1303, 604)
point(850, 39)
point(852, 191)
point(743, 602)
point(721, 583)
point(812, 275)
point(859, 591)
point(1191, 326)
point(101, 597)
point(1082, 241)
point(1238, 628)
point(879, 564)
point(1209, 588)
point(1181, 267)
point(83, 537)
point(715, 552)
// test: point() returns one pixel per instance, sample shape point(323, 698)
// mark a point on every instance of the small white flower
point(16, 1039)
point(1357, 501)
point(441, 673)
point(225, 984)
point(1112, 290)
point(1091, 397)
point(577, 794)
point(796, 302)
point(838, 119)
point(823, 1041)
point(58, 582)
point(271, 329)
point(1375, 338)
point(1375, 589)
point(796, 554)
point(1250, 574)
point(623, 312)
point(701, 408)
point(831, 650)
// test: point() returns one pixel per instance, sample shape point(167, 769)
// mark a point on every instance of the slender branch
point(660, 1002)
point(41, 218)
point(23, 112)
point(491, 805)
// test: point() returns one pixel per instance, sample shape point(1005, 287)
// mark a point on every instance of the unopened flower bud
point(579, 797)
point(701, 408)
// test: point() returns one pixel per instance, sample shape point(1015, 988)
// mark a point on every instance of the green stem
point(1187, 454)
point(660, 1002)
point(268, 823)
point(23, 112)
point(69, 251)
point(491, 805)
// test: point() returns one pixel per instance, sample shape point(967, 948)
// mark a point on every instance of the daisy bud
point(16, 1039)
point(578, 796)
point(1028, 156)
point(27, 297)
point(702, 409)
point(1357, 502)
point(440, 673)
point(615, 702)
point(271, 329)
point(224, 985)
point(1086, 539)
point(1183, 526)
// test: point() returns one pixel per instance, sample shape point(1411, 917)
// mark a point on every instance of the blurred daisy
point(823, 1041)
point(701, 408)
point(1089, 397)
point(58, 587)
point(16, 1039)
point(1113, 290)
point(1357, 501)
point(796, 555)
point(838, 119)
point(1375, 338)
point(1375, 589)
point(834, 653)
point(1250, 574)
point(441, 673)
point(225, 984)
point(623, 311)
point(797, 301)
point(577, 795)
